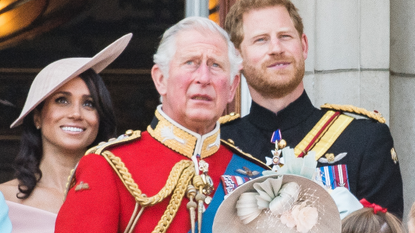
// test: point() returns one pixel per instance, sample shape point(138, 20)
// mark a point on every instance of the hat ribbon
point(375, 207)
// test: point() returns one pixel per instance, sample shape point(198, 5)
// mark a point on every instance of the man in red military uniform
point(167, 179)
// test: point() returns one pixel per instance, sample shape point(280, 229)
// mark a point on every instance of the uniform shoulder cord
point(177, 183)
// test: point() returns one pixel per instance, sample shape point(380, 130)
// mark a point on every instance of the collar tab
point(182, 140)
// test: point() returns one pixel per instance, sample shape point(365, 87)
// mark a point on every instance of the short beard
point(273, 86)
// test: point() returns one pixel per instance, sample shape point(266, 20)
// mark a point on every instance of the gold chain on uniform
point(178, 180)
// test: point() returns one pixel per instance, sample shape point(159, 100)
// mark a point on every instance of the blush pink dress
point(27, 219)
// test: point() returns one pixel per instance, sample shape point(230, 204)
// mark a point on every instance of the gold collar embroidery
point(186, 142)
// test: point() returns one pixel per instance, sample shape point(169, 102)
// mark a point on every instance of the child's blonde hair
point(365, 220)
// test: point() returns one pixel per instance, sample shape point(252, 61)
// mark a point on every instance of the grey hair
point(167, 46)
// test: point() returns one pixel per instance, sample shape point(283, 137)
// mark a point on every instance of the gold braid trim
point(132, 187)
point(129, 135)
point(228, 118)
point(175, 200)
point(178, 139)
point(231, 145)
point(185, 147)
point(70, 182)
point(177, 181)
point(352, 109)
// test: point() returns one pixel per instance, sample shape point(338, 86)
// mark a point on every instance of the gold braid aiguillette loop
point(180, 176)
point(176, 198)
point(133, 187)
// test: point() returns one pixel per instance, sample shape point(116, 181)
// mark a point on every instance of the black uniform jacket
point(371, 171)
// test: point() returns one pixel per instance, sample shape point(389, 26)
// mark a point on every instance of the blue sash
point(236, 163)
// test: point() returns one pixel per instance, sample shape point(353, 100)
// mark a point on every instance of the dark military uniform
point(372, 173)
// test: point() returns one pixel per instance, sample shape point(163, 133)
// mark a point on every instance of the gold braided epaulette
point(230, 144)
point(228, 118)
point(352, 109)
point(129, 135)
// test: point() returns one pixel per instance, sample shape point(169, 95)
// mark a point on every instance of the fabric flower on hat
point(282, 202)
point(288, 219)
point(300, 216)
point(312, 210)
point(305, 217)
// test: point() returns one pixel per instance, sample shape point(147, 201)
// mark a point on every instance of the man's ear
point(234, 86)
point(304, 43)
point(160, 81)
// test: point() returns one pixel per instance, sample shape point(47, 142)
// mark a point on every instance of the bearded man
point(357, 154)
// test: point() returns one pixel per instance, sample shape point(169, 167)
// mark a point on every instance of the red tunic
point(107, 205)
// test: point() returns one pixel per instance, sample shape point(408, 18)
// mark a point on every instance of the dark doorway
point(95, 25)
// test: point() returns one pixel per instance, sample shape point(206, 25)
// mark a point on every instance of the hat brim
point(56, 74)
point(227, 221)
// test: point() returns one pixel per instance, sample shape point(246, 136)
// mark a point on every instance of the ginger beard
point(274, 83)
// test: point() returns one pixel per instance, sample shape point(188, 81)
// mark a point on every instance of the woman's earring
point(37, 126)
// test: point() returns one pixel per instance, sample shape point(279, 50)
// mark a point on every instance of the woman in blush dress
point(68, 109)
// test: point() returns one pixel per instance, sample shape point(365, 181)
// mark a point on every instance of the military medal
point(230, 183)
point(207, 180)
point(330, 158)
point(334, 176)
point(202, 187)
point(246, 171)
point(277, 158)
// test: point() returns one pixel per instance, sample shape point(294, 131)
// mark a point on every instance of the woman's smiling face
point(68, 119)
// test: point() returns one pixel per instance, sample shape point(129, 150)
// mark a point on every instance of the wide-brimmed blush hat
point(56, 74)
point(278, 203)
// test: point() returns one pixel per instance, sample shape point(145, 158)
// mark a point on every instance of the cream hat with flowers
point(278, 203)
point(56, 74)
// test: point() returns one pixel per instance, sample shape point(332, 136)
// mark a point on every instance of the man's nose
point(275, 46)
point(202, 74)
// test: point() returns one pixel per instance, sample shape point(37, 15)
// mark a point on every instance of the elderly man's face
point(198, 87)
